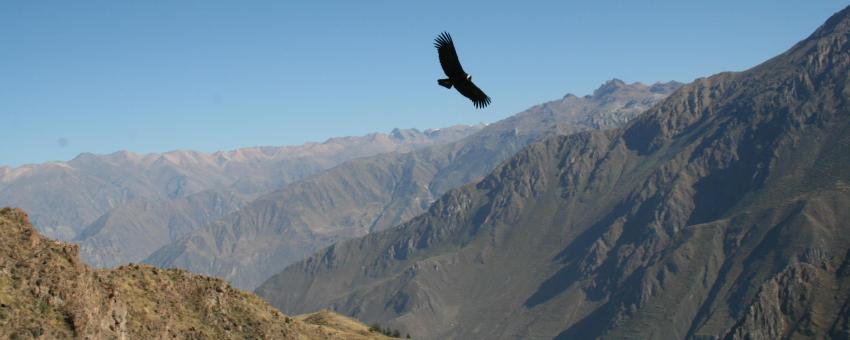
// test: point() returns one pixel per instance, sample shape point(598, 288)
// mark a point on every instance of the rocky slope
point(47, 292)
point(131, 232)
point(720, 213)
point(66, 197)
point(370, 194)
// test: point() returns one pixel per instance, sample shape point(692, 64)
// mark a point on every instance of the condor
point(456, 76)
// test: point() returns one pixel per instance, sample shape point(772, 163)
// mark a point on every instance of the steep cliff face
point(375, 193)
point(47, 292)
point(719, 213)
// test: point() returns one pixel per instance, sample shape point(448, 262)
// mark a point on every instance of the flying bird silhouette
point(456, 76)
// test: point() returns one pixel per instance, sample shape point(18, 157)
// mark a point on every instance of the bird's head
point(468, 78)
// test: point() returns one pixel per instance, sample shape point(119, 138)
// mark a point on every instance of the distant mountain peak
point(617, 86)
point(402, 134)
point(611, 86)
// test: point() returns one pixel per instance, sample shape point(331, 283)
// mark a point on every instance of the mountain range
point(122, 206)
point(721, 212)
point(374, 193)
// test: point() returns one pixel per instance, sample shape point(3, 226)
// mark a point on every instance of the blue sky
point(154, 76)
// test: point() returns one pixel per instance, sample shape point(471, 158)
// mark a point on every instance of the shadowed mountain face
point(47, 292)
point(370, 194)
point(720, 213)
point(122, 207)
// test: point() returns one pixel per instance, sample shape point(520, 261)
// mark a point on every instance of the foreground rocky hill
point(720, 213)
point(375, 193)
point(47, 292)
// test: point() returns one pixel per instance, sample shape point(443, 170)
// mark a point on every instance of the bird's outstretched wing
point(448, 56)
point(469, 90)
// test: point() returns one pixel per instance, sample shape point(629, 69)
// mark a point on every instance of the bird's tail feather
point(447, 83)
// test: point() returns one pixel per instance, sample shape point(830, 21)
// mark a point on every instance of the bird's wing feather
point(448, 56)
point(469, 90)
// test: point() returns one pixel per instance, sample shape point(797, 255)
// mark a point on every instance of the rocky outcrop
point(47, 292)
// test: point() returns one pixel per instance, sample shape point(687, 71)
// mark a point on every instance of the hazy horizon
point(102, 77)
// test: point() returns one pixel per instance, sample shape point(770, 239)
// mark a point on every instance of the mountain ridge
point(65, 197)
point(715, 214)
point(371, 194)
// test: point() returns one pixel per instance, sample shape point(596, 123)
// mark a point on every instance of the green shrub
point(376, 328)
